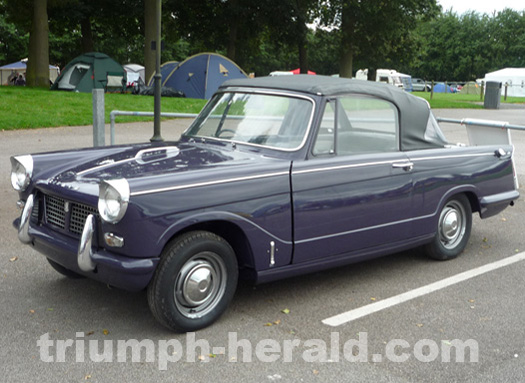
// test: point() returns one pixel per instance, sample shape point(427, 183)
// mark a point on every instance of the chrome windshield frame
point(258, 92)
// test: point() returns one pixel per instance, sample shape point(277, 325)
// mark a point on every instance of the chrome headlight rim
point(21, 172)
point(113, 199)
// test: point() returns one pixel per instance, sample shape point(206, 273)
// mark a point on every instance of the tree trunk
point(303, 57)
point(87, 35)
point(150, 23)
point(302, 32)
point(232, 40)
point(346, 63)
point(347, 48)
point(234, 29)
point(37, 72)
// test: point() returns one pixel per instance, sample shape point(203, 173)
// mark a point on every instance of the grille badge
point(66, 207)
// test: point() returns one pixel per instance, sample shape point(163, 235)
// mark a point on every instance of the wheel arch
point(469, 191)
point(230, 231)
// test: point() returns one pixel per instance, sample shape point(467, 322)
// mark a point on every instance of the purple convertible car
point(276, 177)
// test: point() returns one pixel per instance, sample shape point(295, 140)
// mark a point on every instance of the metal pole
point(158, 77)
point(98, 117)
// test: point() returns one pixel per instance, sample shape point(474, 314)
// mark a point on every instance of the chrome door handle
point(408, 166)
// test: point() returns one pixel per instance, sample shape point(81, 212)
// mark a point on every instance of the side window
point(358, 124)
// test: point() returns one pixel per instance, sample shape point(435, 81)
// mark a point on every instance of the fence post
point(506, 87)
point(482, 90)
point(98, 118)
point(432, 90)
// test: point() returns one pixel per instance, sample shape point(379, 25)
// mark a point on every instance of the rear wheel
point(453, 229)
point(194, 281)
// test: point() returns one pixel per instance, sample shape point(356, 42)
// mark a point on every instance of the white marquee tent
point(514, 77)
point(20, 67)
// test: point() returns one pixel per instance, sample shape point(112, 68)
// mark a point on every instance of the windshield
point(273, 121)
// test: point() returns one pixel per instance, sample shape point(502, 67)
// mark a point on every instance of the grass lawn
point(26, 108)
point(460, 101)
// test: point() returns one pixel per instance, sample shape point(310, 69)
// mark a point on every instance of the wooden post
point(432, 90)
point(506, 88)
point(482, 90)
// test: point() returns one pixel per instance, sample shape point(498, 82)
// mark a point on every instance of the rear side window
point(357, 124)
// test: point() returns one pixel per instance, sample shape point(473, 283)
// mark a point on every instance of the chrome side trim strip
point(348, 166)
point(491, 154)
point(364, 229)
point(398, 161)
point(208, 183)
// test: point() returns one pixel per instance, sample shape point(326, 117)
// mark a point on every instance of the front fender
point(259, 239)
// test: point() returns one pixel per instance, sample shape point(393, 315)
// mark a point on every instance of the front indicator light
point(113, 240)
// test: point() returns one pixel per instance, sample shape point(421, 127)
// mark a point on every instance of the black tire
point(453, 229)
point(65, 272)
point(194, 282)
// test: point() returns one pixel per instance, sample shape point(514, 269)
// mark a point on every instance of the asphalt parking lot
point(60, 330)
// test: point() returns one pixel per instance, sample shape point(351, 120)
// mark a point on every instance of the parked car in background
point(419, 85)
point(276, 177)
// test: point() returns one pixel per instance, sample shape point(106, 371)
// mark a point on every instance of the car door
point(354, 193)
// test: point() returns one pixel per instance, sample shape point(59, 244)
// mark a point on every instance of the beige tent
point(471, 88)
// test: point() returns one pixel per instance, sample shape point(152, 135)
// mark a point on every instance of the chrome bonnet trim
point(208, 183)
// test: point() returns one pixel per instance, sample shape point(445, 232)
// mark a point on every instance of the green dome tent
point(87, 72)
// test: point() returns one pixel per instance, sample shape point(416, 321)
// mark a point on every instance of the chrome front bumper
point(84, 253)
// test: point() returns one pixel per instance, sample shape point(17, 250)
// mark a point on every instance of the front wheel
point(194, 281)
point(453, 229)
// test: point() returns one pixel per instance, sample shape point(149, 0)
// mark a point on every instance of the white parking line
point(338, 320)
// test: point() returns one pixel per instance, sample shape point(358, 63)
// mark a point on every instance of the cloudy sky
point(481, 6)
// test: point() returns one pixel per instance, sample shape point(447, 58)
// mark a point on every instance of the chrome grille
point(79, 214)
point(65, 215)
point(36, 209)
point(55, 211)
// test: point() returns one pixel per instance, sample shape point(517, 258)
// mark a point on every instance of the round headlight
point(21, 172)
point(113, 198)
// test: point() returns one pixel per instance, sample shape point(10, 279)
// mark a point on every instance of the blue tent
point(201, 75)
point(165, 70)
point(440, 87)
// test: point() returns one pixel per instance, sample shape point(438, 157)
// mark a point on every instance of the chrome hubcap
point(200, 284)
point(452, 225)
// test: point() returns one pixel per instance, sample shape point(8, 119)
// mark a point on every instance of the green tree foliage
point(374, 30)
point(266, 35)
point(466, 47)
point(13, 39)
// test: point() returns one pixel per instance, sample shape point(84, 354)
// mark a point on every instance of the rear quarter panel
point(439, 174)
